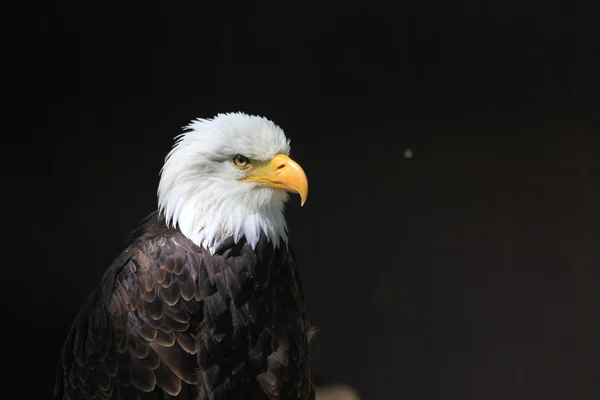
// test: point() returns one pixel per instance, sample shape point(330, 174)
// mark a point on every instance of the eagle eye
point(241, 161)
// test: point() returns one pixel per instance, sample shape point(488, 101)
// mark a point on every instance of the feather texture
point(170, 320)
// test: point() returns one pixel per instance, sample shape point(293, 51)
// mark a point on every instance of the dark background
point(469, 271)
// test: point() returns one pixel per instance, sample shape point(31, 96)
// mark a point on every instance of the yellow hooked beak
point(280, 173)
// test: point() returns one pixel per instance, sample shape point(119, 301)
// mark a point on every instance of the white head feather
point(199, 191)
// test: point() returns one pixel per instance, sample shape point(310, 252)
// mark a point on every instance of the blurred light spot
point(408, 153)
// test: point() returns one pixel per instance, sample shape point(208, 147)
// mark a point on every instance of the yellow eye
point(241, 161)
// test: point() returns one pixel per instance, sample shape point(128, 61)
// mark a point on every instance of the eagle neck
point(208, 221)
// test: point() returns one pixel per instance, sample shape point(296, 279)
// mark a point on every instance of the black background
point(469, 271)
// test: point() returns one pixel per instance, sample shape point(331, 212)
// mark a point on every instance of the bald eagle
point(205, 299)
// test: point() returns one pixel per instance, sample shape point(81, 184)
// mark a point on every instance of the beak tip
point(302, 200)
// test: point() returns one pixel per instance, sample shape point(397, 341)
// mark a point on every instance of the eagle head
point(230, 176)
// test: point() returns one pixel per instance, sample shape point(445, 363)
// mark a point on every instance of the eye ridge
point(241, 161)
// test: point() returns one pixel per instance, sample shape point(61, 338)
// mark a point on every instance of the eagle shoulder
point(135, 332)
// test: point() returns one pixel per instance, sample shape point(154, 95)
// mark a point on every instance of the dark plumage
point(170, 320)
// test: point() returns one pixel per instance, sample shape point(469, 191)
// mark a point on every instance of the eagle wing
point(170, 319)
point(135, 333)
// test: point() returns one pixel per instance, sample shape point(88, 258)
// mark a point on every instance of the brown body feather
point(171, 321)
